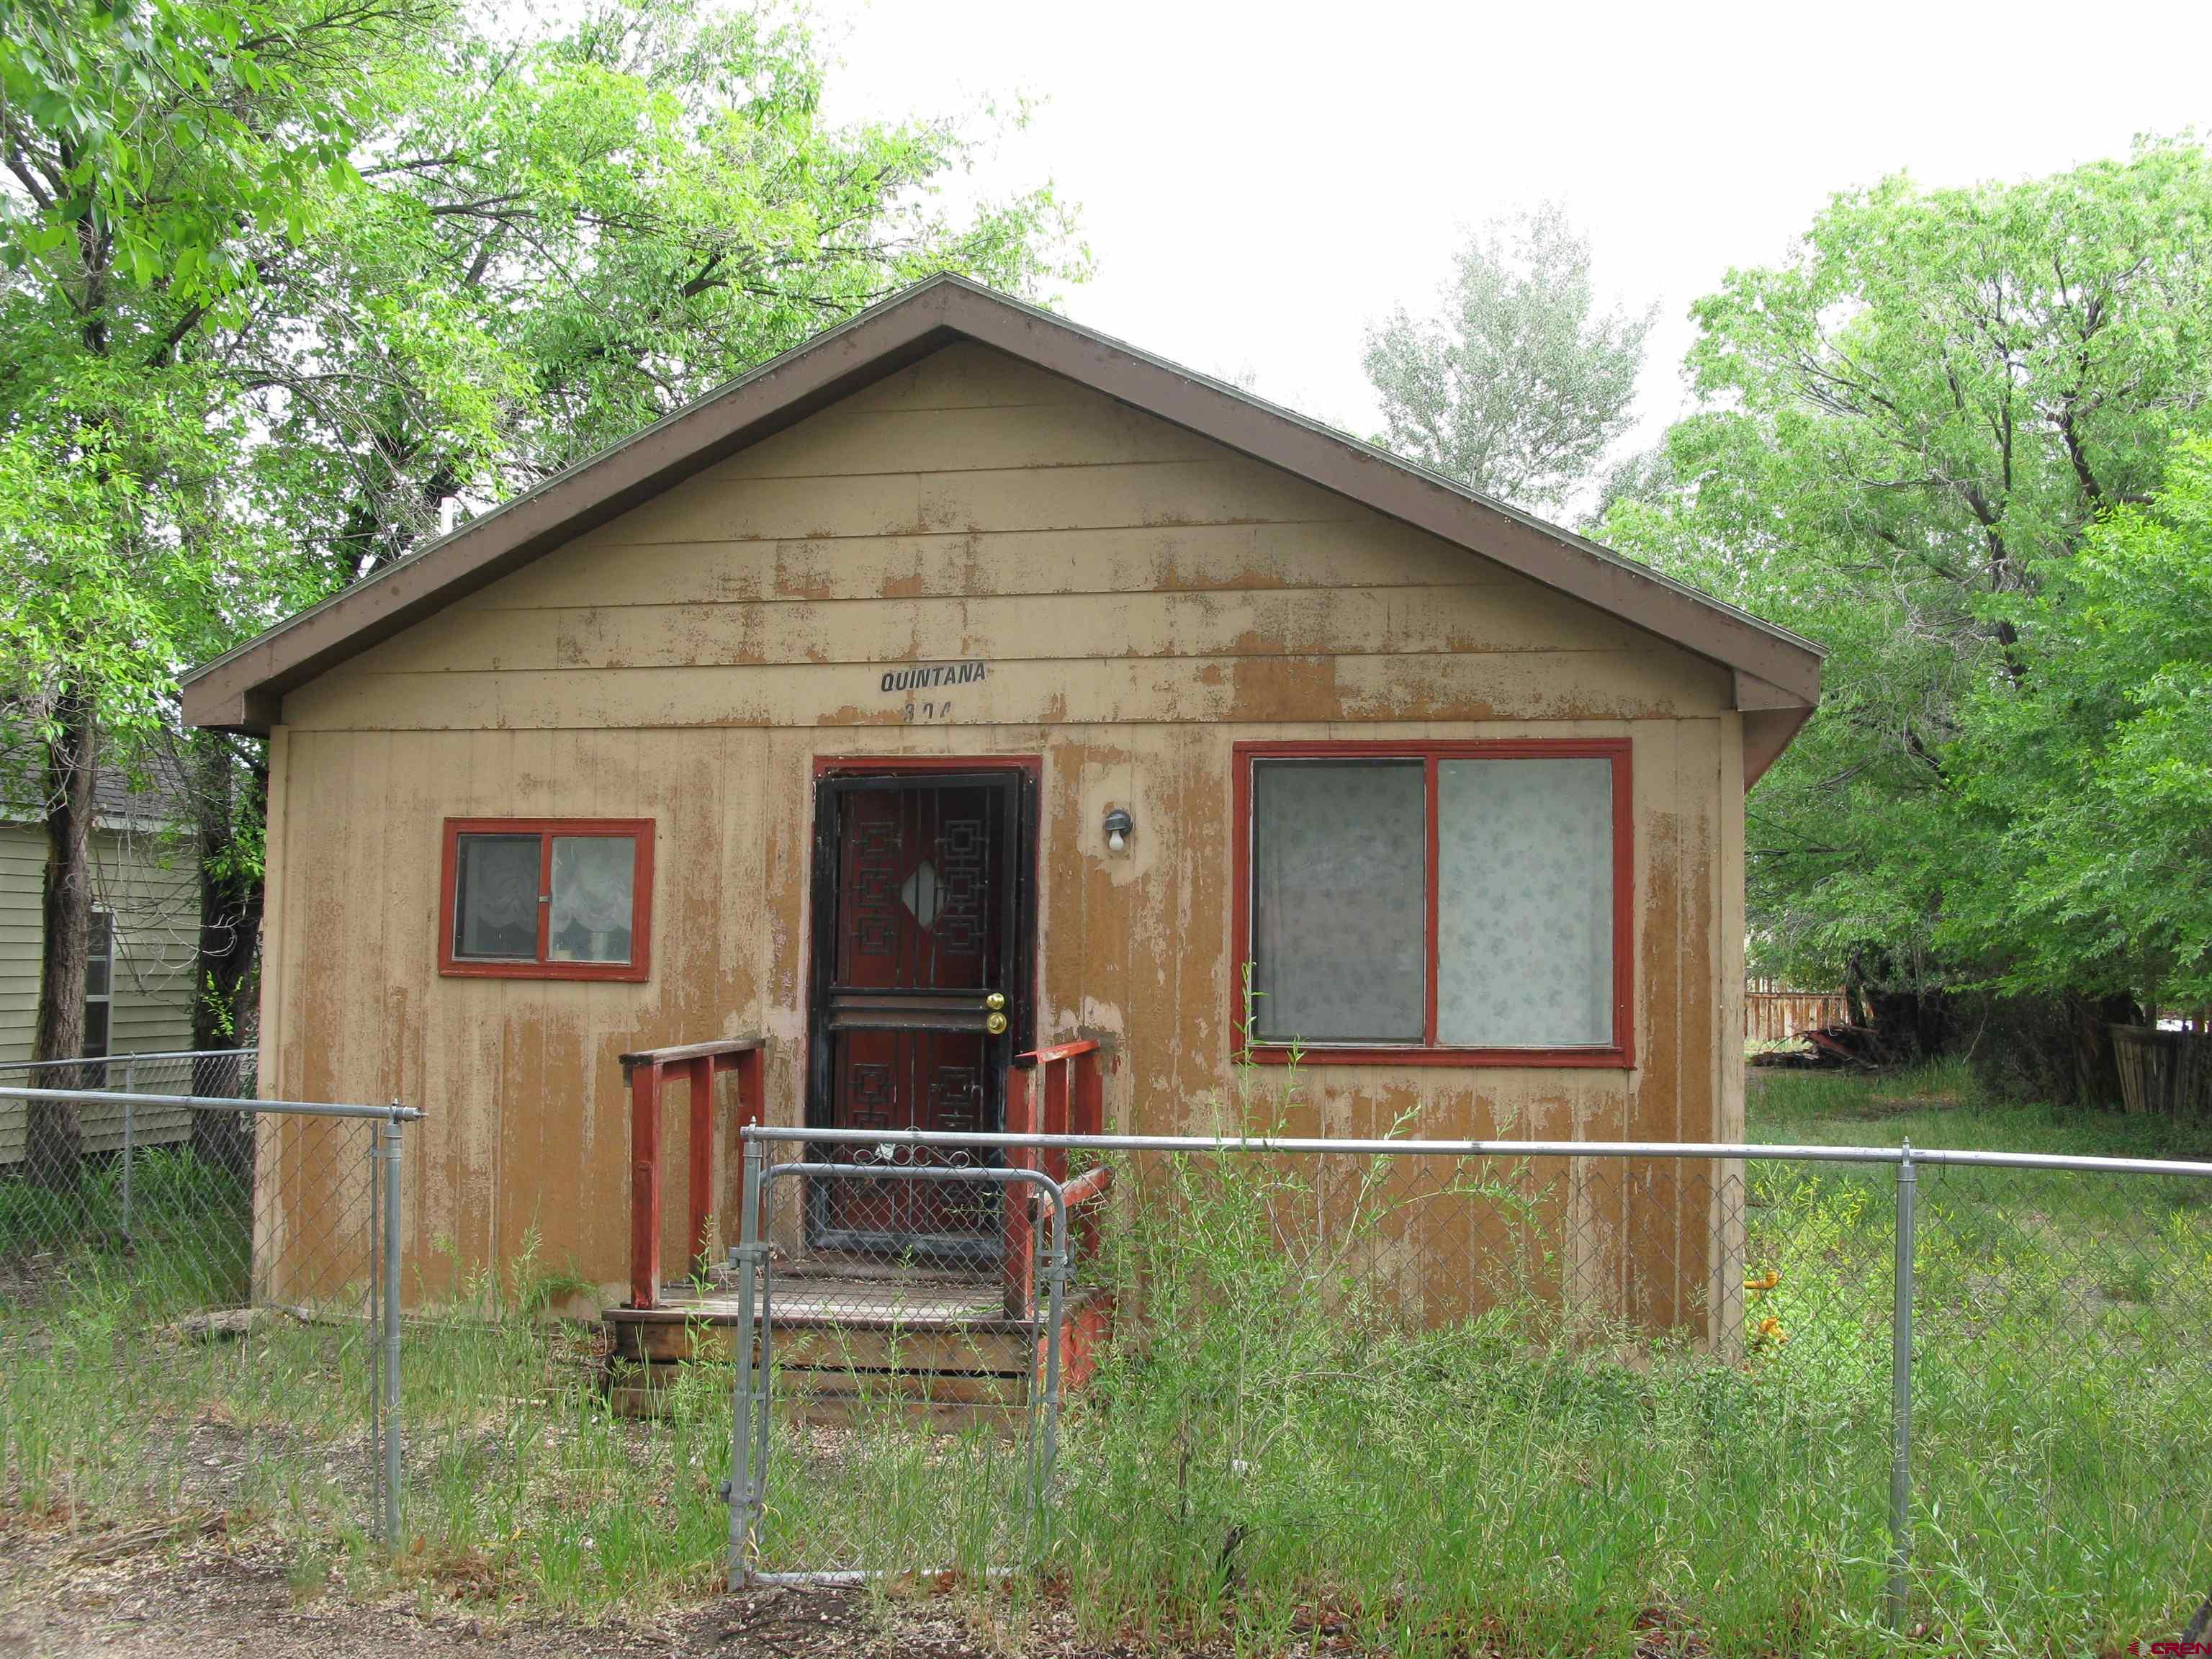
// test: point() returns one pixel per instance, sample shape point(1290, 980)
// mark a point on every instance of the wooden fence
point(1773, 1014)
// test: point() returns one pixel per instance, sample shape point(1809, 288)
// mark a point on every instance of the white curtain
point(593, 882)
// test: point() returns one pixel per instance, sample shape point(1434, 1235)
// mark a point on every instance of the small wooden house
point(966, 661)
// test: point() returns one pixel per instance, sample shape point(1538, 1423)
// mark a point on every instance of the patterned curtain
point(1524, 923)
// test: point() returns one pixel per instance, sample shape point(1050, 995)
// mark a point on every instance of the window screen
point(495, 897)
point(1338, 859)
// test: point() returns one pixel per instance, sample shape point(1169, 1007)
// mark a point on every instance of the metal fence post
point(750, 1386)
point(390, 1136)
point(129, 1068)
point(1044, 1442)
point(1900, 1395)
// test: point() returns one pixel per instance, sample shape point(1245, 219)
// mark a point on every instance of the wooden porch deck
point(851, 1333)
point(845, 1340)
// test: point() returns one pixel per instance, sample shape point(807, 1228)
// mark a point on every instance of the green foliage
point(2090, 784)
point(1516, 386)
point(1906, 433)
point(144, 136)
point(150, 150)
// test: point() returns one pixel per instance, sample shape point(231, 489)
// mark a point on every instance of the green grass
point(1276, 1453)
point(1281, 1454)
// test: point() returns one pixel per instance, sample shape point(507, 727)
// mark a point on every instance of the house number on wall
point(926, 689)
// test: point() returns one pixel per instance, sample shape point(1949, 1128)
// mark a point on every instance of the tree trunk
point(55, 1141)
point(2096, 1067)
point(1910, 1026)
point(229, 950)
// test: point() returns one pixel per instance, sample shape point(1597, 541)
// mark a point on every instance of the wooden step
point(837, 1397)
point(831, 1347)
point(941, 1348)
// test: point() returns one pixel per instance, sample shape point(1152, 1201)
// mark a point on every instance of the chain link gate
point(881, 1313)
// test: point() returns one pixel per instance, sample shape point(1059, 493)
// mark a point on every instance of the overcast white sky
point(1259, 182)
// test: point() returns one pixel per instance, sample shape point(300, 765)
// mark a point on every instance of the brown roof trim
point(243, 690)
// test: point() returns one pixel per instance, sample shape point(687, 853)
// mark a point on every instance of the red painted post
point(1056, 1091)
point(1090, 1095)
point(1019, 1266)
point(1090, 1119)
point(700, 1170)
point(644, 1186)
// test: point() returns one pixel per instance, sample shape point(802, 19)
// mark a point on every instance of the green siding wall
point(149, 884)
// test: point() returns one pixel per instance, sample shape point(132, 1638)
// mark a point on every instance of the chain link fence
point(899, 1356)
point(1512, 1387)
point(197, 1298)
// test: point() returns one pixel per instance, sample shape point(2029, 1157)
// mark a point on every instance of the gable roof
point(1778, 674)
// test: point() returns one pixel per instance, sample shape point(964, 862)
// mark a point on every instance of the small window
point(1442, 903)
point(547, 898)
point(99, 981)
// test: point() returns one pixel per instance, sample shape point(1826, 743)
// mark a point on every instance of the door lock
point(995, 1023)
point(994, 1000)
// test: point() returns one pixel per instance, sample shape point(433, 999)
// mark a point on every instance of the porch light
point(1119, 827)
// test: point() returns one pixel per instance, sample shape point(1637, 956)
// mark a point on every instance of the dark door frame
point(1026, 772)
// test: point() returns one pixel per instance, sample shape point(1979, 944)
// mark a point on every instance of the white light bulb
point(1116, 841)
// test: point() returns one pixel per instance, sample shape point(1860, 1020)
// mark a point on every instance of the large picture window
point(547, 898)
point(1451, 903)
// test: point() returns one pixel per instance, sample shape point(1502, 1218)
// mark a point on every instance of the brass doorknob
point(995, 1023)
point(994, 999)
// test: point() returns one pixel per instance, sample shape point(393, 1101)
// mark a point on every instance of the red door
point(918, 996)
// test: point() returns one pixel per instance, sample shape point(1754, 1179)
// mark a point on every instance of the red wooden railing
point(1061, 1090)
point(644, 1071)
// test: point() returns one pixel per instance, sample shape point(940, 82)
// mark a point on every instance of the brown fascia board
point(244, 690)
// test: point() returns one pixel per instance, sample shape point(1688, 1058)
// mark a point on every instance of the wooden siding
point(1142, 599)
point(151, 888)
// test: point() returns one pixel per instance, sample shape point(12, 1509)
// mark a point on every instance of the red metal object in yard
point(701, 1063)
point(1061, 1090)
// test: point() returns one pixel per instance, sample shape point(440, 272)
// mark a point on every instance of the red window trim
point(634, 971)
point(1620, 1054)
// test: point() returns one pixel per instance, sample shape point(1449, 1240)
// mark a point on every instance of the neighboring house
point(810, 709)
point(144, 941)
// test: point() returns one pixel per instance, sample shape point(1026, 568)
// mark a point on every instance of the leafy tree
point(288, 282)
point(1518, 384)
point(2091, 784)
point(143, 143)
point(1906, 433)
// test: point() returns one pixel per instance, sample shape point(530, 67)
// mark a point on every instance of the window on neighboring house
point(99, 981)
point(547, 898)
point(1444, 903)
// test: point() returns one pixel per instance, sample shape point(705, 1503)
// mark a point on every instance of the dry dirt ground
point(206, 1596)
